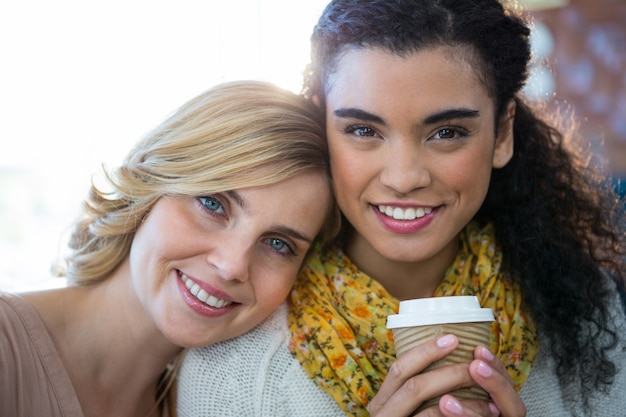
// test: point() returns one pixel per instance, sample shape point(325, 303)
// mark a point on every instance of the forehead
point(429, 79)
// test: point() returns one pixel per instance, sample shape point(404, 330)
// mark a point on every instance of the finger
point(490, 374)
point(427, 386)
point(450, 406)
point(484, 354)
point(398, 392)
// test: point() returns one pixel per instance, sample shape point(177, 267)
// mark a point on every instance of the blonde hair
point(235, 135)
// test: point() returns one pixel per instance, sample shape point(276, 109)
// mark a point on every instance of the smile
point(404, 214)
point(202, 295)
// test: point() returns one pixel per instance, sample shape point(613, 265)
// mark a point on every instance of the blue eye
point(280, 246)
point(211, 204)
point(277, 244)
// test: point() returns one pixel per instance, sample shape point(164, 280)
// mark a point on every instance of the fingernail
point(487, 354)
point(494, 409)
point(445, 341)
point(453, 406)
point(484, 369)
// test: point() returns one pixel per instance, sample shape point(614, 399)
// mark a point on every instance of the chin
point(400, 252)
point(188, 341)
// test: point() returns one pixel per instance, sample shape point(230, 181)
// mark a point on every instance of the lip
point(404, 226)
point(200, 307)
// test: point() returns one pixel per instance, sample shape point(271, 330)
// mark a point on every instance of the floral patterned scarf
point(338, 316)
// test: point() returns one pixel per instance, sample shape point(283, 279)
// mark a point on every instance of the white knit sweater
point(255, 375)
point(251, 375)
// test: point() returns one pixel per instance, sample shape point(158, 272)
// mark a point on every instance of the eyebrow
point(451, 114)
point(238, 200)
point(280, 229)
point(460, 113)
point(293, 233)
point(352, 113)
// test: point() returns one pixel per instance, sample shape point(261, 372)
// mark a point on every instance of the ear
point(316, 100)
point(503, 151)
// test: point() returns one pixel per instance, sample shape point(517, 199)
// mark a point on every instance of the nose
point(230, 259)
point(404, 167)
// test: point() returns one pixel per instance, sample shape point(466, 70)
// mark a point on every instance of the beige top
point(33, 380)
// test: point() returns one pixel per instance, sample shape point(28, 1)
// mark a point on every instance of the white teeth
point(404, 214)
point(202, 295)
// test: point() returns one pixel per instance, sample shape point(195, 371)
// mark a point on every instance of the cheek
point(142, 249)
point(348, 171)
point(337, 166)
point(273, 288)
point(470, 176)
point(345, 184)
point(147, 249)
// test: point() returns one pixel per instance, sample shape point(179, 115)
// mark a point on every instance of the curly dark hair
point(560, 224)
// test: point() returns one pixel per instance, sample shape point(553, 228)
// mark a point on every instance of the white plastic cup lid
point(439, 310)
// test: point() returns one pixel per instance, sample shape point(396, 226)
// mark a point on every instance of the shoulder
point(253, 375)
point(263, 341)
point(29, 363)
point(222, 379)
point(17, 318)
point(21, 320)
point(13, 345)
point(543, 394)
point(20, 331)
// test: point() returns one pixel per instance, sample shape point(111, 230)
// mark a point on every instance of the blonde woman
point(200, 237)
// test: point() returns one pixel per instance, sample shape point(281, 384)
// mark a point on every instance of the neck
point(403, 280)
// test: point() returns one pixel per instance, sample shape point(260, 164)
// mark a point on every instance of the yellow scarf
point(337, 319)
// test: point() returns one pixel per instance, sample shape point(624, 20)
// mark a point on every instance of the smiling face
point(412, 142)
point(211, 268)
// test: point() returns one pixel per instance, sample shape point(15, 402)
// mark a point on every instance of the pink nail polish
point(454, 406)
point(445, 341)
point(484, 369)
point(487, 354)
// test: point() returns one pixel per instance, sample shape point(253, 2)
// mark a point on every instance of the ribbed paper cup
point(421, 320)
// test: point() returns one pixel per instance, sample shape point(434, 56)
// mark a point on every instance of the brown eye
point(446, 134)
point(361, 130)
point(452, 132)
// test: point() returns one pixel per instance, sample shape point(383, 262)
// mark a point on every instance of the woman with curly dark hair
point(452, 183)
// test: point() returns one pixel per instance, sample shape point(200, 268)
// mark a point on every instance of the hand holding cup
point(424, 319)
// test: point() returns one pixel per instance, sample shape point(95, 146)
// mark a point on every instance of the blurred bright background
point(81, 81)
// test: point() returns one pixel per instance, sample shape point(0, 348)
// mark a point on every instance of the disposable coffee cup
point(423, 319)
